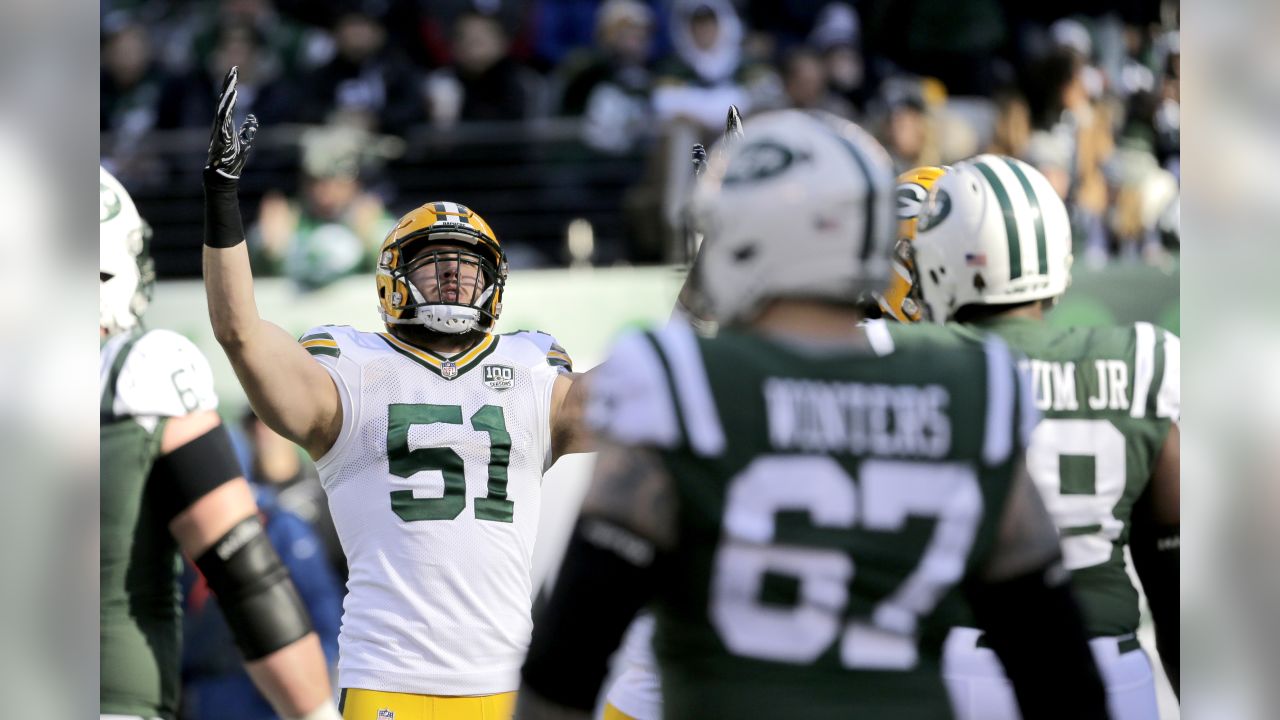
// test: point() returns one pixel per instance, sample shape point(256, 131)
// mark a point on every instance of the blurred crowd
point(1088, 92)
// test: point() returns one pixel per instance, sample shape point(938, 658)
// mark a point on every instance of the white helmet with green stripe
point(125, 267)
point(801, 207)
point(992, 232)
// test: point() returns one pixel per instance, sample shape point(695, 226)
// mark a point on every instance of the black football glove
point(228, 150)
point(733, 126)
point(699, 159)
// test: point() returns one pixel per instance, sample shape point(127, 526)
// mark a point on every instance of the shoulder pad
point(631, 399)
point(546, 348)
point(164, 374)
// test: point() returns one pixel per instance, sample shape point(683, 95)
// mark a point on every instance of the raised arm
point(569, 433)
point(286, 387)
point(690, 303)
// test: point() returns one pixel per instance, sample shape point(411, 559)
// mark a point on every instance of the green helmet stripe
point(1010, 220)
point(108, 400)
point(1035, 213)
point(869, 211)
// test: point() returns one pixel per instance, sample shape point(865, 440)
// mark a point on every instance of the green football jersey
point(145, 379)
point(1107, 396)
point(829, 502)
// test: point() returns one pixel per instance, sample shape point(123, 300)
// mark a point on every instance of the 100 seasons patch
point(499, 377)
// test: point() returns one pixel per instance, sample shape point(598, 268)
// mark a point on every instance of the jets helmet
point(125, 269)
point(450, 236)
point(901, 299)
point(992, 232)
point(800, 208)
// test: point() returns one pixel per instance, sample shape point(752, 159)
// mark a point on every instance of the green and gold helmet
point(447, 236)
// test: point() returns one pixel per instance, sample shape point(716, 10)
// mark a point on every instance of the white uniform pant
point(980, 691)
point(637, 690)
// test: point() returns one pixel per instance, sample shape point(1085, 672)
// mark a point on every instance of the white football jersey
point(434, 485)
point(153, 374)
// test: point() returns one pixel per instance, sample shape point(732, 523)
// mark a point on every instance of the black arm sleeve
point(605, 579)
point(193, 470)
point(1033, 624)
point(222, 225)
point(1156, 556)
point(254, 590)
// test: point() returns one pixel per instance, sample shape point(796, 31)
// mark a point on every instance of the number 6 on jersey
point(885, 495)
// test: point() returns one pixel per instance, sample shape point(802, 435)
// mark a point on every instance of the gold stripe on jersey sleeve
point(320, 342)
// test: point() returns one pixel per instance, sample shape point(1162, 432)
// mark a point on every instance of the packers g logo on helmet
point(901, 299)
point(400, 302)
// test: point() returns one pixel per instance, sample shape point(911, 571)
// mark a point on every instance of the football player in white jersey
point(170, 484)
point(431, 439)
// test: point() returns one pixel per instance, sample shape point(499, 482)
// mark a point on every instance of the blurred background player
point(898, 301)
point(800, 498)
point(635, 692)
point(430, 439)
point(170, 484)
point(992, 251)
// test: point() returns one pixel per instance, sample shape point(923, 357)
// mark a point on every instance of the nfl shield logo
point(498, 377)
point(385, 714)
point(449, 371)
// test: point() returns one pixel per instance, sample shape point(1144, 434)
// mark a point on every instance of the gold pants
point(613, 713)
point(358, 704)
